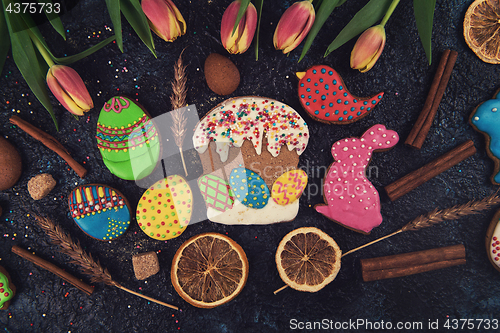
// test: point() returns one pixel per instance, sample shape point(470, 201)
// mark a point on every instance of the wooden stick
point(424, 122)
point(50, 142)
point(282, 288)
point(372, 242)
point(53, 269)
point(416, 178)
point(146, 297)
point(412, 263)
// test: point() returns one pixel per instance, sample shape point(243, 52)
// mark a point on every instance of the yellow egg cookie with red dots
point(165, 209)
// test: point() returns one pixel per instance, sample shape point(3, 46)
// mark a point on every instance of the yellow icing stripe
point(100, 192)
point(79, 196)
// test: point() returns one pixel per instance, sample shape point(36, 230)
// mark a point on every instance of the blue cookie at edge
point(100, 211)
point(486, 119)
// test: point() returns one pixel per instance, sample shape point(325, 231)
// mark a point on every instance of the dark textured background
point(44, 303)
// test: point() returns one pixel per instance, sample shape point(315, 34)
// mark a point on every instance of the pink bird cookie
point(351, 199)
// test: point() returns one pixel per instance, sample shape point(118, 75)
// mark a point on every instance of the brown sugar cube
point(40, 185)
point(145, 265)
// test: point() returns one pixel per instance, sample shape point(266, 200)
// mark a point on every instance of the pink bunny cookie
point(351, 200)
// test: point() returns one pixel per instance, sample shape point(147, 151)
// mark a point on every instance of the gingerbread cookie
point(493, 241)
point(7, 289)
point(324, 96)
point(100, 211)
point(165, 209)
point(249, 177)
point(486, 119)
point(127, 139)
point(351, 199)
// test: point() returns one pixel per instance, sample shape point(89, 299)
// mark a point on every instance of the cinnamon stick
point(53, 269)
point(50, 142)
point(424, 122)
point(412, 263)
point(416, 178)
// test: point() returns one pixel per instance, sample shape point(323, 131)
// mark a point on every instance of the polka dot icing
point(216, 192)
point(165, 208)
point(494, 246)
point(249, 188)
point(250, 118)
point(351, 199)
point(6, 293)
point(289, 187)
point(100, 211)
point(324, 96)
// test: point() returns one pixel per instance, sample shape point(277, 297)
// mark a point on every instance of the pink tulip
point(240, 41)
point(164, 19)
point(69, 89)
point(293, 26)
point(368, 48)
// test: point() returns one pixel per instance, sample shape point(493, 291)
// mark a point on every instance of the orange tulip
point(69, 89)
point(293, 26)
point(240, 41)
point(368, 48)
point(164, 19)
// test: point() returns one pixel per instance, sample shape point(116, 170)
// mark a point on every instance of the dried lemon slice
point(482, 29)
point(209, 270)
point(308, 259)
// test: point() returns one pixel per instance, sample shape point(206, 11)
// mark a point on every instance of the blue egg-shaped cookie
point(249, 188)
point(100, 211)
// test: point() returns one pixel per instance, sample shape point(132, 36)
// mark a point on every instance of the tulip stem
point(389, 12)
point(46, 56)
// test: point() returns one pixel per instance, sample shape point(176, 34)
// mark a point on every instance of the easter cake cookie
point(324, 96)
point(127, 139)
point(350, 198)
point(7, 289)
point(165, 208)
point(486, 119)
point(100, 211)
point(250, 148)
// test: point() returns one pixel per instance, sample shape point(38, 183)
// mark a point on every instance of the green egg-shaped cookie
point(127, 139)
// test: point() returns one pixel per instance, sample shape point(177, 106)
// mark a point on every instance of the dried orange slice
point(308, 259)
point(482, 29)
point(209, 269)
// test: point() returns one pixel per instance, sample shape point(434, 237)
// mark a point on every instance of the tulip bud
point(293, 26)
point(240, 41)
point(368, 48)
point(69, 89)
point(164, 19)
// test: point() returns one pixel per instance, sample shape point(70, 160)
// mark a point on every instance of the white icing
point(248, 118)
point(243, 215)
point(495, 245)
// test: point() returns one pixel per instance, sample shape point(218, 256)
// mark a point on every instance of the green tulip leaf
point(4, 41)
point(241, 12)
point(424, 16)
point(322, 14)
point(38, 39)
point(258, 4)
point(53, 18)
point(132, 11)
point(366, 17)
point(71, 59)
point(317, 3)
point(27, 61)
point(116, 19)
